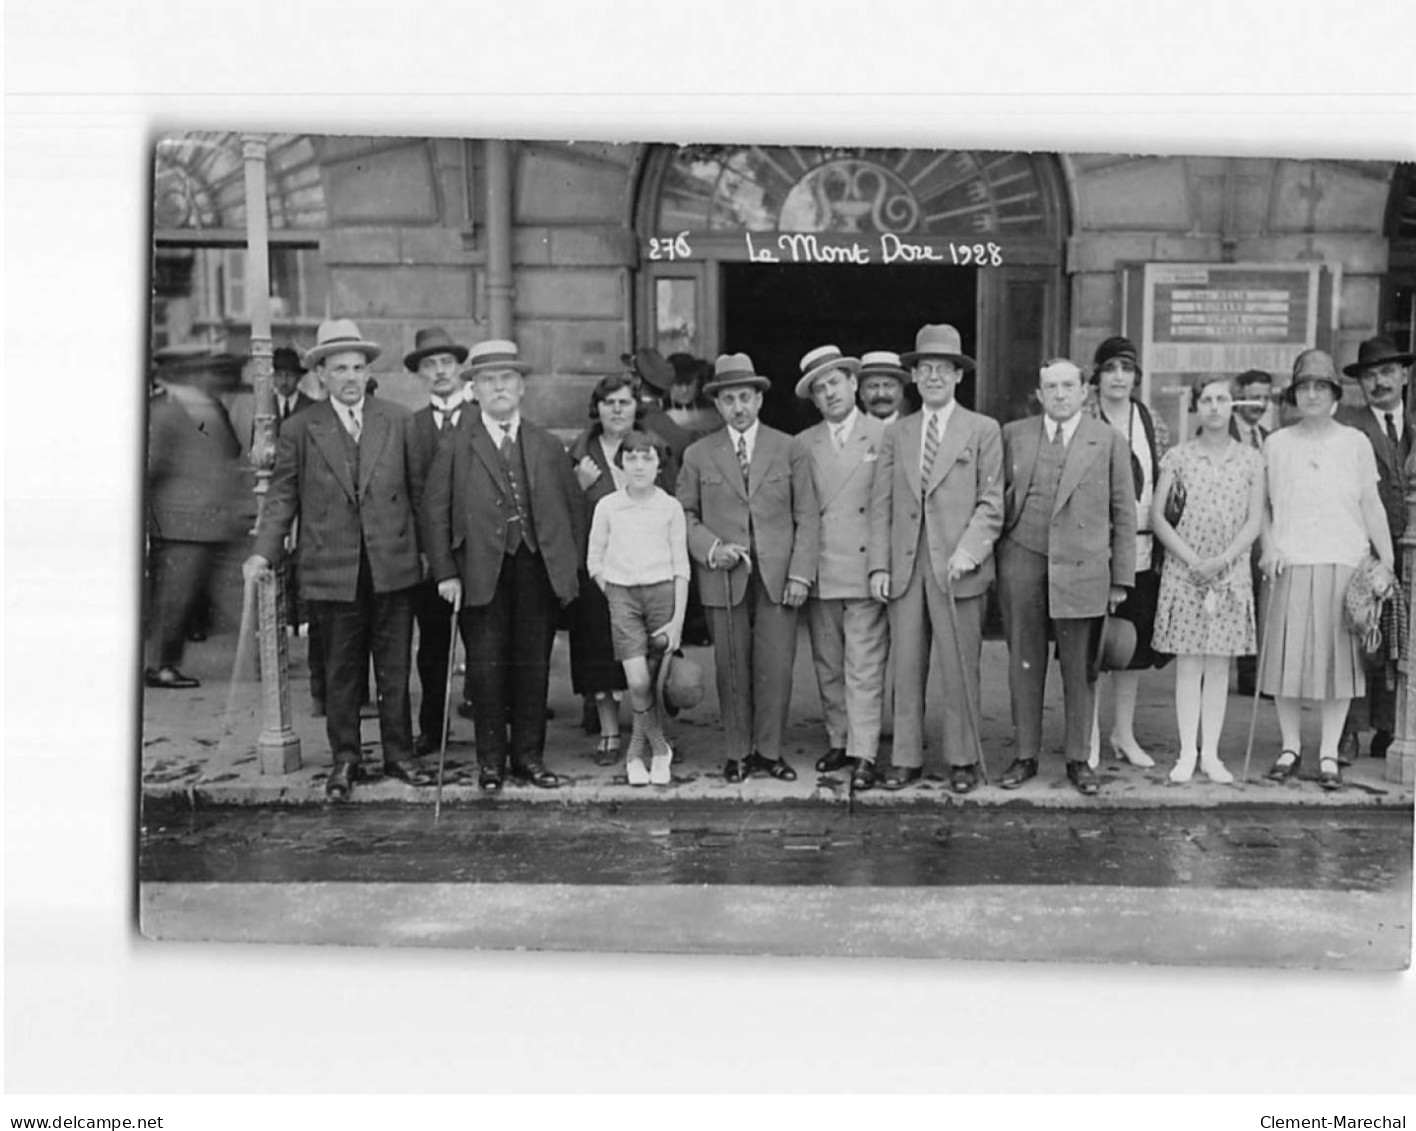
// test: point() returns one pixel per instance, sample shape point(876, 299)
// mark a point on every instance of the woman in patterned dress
point(1116, 373)
point(1205, 612)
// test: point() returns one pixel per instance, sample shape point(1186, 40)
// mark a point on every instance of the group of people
point(885, 531)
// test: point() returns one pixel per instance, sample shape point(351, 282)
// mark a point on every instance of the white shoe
point(1133, 754)
point(1215, 770)
point(636, 771)
point(1183, 770)
point(659, 773)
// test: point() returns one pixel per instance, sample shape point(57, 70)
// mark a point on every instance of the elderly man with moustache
point(505, 527)
point(1383, 371)
point(754, 530)
point(882, 380)
point(1066, 558)
point(935, 516)
point(850, 633)
point(346, 468)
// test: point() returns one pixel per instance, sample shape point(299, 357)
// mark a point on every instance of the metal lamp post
point(278, 746)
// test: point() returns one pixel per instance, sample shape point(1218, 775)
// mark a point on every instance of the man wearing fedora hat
point(438, 360)
point(286, 372)
point(849, 630)
point(754, 530)
point(505, 529)
point(193, 498)
point(935, 516)
point(1066, 557)
point(1383, 371)
point(882, 380)
point(347, 469)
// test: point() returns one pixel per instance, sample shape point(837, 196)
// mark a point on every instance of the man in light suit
point(504, 523)
point(437, 359)
point(346, 469)
point(934, 519)
point(1066, 558)
point(1382, 370)
point(850, 632)
point(753, 529)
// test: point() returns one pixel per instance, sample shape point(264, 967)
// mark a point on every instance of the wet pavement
point(710, 844)
point(1258, 887)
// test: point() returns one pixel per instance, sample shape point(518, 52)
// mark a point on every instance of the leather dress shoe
point(536, 775)
point(834, 759)
point(963, 779)
point(756, 763)
point(425, 744)
point(489, 779)
point(863, 776)
point(1381, 743)
point(464, 709)
point(1084, 778)
point(732, 771)
point(169, 678)
point(1347, 748)
point(897, 777)
point(1020, 771)
point(1329, 778)
point(340, 783)
point(407, 772)
point(1281, 771)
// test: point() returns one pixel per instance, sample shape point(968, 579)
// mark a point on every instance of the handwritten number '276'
point(670, 248)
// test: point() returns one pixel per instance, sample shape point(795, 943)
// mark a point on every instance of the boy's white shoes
point(636, 771)
point(659, 767)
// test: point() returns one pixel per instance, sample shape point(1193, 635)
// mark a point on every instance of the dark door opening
point(777, 312)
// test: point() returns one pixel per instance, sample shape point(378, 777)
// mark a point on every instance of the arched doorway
point(773, 250)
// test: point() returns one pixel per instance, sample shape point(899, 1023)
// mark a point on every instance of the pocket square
point(869, 457)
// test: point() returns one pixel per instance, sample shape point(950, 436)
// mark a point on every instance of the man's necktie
point(1057, 440)
point(1391, 430)
point(356, 427)
point(1254, 440)
point(743, 461)
point(931, 447)
point(838, 436)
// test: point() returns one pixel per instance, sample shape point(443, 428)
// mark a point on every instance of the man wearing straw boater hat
point(850, 633)
point(753, 529)
point(504, 524)
point(437, 359)
point(1383, 371)
point(935, 516)
point(882, 380)
point(1067, 556)
point(346, 468)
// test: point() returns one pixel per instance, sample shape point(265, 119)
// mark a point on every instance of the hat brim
point(478, 367)
point(1099, 660)
point(755, 380)
point(963, 361)
point(803, 387)
point(314, 356)
point(411, 361)
point(901, 375)
point(1355, 369)
point(651, 368)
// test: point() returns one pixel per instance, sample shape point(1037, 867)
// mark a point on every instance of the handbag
point(1368, 590)
point(1175, 501)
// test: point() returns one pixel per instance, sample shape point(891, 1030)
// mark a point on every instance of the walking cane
point(963, 669)
point(1258, 673)
point(447, 707)
point(732, 647)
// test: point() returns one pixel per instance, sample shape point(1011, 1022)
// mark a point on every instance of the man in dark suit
point(1066, 558)
point(1382, 370)
point(437, 359)
point(286, 372)
point(754, 530)
point(193, 484)
point(505, 528)
point(347, 469)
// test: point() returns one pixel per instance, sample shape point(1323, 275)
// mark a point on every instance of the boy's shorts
point(635, 612)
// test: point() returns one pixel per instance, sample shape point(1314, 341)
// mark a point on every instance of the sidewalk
point(201, 745)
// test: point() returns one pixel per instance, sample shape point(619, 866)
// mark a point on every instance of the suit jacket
point(779, 501)
point(468, 499)
point(1234, 431)
point(311, 481)
point(843, 481)
point(426, 434)
point(962, 501)
point(1091, 542)
point(194, 482)
point(1391, 462)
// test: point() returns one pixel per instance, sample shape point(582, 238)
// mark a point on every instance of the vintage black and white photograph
point(779, 549)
